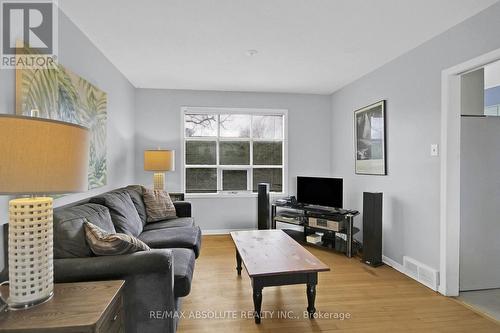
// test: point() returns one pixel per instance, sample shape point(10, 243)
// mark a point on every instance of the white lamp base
point(159, 181)
point(31, 267)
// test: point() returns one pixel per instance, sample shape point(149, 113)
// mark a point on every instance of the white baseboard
point(221, 231)
point(394, 264)
point(442, 290)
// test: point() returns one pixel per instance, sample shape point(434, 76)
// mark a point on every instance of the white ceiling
point(304, 46)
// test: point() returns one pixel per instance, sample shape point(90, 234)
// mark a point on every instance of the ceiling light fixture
point(251, 53)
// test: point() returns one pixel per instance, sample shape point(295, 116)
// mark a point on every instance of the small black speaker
point(263, 207)
point(372, 228)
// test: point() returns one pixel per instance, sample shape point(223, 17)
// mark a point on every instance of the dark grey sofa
point(156, 280)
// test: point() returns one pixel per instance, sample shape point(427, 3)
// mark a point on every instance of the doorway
point(470, 183)
point(479, 264)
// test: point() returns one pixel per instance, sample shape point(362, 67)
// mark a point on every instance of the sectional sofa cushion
point(181, 237)
point(69, 233)
point(123, 212)
point(103, 243)
point(183, 271)
point(170, 223)
point(159, 206)
point(135, 192)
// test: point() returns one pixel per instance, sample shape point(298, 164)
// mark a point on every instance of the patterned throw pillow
point(159, 206)
point(103, 243)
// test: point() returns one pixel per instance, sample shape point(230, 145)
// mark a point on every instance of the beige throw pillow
point(103, 243)
point(159, 205)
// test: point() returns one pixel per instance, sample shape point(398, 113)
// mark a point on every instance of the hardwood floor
point(376, 299)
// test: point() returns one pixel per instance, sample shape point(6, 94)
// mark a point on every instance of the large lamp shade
point(41, 156)
point(159, 160)
point(37, 156)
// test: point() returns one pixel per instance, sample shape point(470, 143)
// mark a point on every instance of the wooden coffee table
point(272, 258)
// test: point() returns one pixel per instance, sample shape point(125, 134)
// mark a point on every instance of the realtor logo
point(29, 33)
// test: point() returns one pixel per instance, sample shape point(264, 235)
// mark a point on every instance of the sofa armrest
point(183, 208)
point(149, 284)
point(113, 267)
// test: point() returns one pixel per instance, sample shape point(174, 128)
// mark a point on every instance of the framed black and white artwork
point(369, 136)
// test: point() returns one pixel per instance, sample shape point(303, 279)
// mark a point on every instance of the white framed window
point(228, 151)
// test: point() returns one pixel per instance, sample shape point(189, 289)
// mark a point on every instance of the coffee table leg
point(311, 296)
point(257, 302)
point(238, 262)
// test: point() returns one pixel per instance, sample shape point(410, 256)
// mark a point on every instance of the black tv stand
point(301, 218)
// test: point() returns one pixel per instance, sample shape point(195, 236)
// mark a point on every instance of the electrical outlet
point(434, 149)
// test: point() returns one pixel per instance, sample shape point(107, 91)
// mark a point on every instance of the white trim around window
point(246, 111)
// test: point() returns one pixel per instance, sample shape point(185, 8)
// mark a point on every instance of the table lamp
point(159, 161)
point(37, 156)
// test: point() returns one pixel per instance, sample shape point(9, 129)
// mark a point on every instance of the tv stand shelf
point(300, 217)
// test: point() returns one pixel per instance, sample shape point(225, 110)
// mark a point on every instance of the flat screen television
point(320, 191)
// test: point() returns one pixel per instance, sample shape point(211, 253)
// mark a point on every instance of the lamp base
point(159, 181)
point(31, 267)
point(28, 305)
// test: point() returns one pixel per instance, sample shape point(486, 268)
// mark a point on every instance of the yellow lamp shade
point(159, 160)
point(42, 156)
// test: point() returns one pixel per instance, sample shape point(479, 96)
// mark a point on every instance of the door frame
point(450, 171)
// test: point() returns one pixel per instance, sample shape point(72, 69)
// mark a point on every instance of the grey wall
point(158, 124)
point(411, 84)
point(79, 55)
point(479, 208)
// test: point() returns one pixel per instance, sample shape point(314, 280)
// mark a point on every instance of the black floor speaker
point(372, 228)
point(263, 207)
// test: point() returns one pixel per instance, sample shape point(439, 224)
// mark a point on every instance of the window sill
point(220, 195)
point(228, 195)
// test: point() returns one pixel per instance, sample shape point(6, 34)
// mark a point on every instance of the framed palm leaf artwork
point(369, 136)
point(60, 94)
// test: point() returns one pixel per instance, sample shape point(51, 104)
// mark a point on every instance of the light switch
point(434, 149)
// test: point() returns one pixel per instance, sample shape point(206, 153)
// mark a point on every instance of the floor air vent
point(420, 272)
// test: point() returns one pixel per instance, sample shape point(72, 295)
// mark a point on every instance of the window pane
point(234, 153)
point(234, 180)
point(200, 125)
point(201, 180)
point(271, 176)
point(201, 152)
point(235, 125)
point(267, 153)
point(267, 127)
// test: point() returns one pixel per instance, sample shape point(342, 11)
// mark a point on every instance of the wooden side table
point(81, 307)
